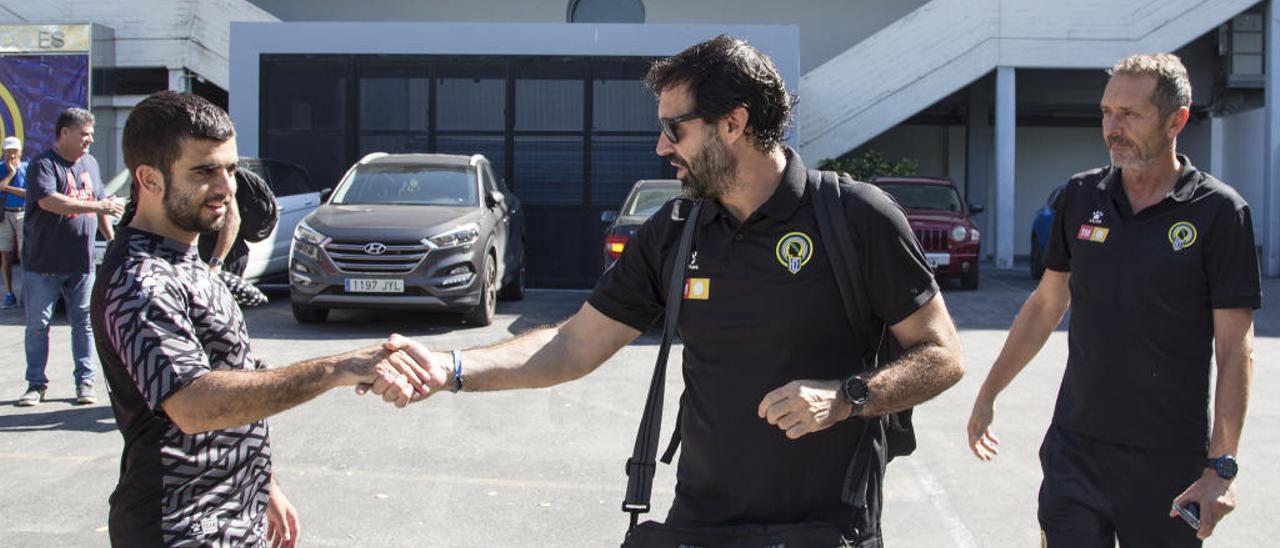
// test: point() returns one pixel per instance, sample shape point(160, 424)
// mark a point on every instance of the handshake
point(399, 370)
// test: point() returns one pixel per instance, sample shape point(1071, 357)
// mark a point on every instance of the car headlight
point(959, 233)
point(464, 235)
point(974, 235)
point(305, 234)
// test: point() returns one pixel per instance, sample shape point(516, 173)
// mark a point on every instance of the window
point(549, 97)
point(471, 98)
point(606, 11)
point(306, 95)
point(623, 105)
point(305, 107)
point(617, 163)
point(548, 169)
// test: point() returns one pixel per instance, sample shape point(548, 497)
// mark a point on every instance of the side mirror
point(496, 198)
point(325, 195)
point(608, 217)
point(975, 209)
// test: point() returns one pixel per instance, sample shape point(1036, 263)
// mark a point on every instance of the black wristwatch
point(1225, 466)
point(215, 262)
point(856, 392)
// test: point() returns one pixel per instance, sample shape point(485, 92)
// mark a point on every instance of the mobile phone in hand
point(1190, 513)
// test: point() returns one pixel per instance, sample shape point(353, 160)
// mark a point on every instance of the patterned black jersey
point(161, 321)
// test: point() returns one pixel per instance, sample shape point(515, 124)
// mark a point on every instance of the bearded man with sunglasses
point(768, 428)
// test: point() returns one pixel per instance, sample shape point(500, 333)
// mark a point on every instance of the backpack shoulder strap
point(641, 465)
point(834, 225)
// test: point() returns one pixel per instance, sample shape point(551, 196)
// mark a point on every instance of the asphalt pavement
point(545, 467)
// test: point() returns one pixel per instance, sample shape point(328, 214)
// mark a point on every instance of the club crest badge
point(794, 250)
point(1182, 235)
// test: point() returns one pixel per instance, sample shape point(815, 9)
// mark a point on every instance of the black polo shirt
point(762, 309)
point(1143, 290)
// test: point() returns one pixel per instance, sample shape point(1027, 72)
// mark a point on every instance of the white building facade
point(1001, 97)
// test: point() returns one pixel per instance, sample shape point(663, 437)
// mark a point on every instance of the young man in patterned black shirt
point(188, 395)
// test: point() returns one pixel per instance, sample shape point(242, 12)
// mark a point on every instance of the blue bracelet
point(457, 371)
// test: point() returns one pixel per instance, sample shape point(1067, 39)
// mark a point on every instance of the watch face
point(855, 389)
point(1227, 468)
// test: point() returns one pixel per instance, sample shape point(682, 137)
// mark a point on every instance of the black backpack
point(831, 212)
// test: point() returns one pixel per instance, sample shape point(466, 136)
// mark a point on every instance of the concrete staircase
point(945, 45)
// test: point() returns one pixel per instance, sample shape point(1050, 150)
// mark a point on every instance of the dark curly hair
point(155, 129)
point(724, 73)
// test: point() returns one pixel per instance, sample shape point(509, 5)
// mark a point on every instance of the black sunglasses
point(669, 125)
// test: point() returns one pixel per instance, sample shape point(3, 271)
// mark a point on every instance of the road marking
point(960, 534)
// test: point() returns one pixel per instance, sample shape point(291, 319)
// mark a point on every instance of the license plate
point(938, 259)
point(368, 285)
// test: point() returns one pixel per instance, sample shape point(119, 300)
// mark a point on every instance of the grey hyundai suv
point(415, 231)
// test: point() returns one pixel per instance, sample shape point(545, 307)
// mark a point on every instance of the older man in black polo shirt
point(1157, 259)
point(767, 343)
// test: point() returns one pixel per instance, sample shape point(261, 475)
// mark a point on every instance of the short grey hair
point(73, 118)
point(1173, 86)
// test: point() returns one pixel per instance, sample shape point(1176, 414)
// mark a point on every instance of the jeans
point(40, 291)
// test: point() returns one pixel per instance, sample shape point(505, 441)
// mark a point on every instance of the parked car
point(940, 221)
point(416, 231)
point(1040, 228)
point(296, 196)
point(646, 197)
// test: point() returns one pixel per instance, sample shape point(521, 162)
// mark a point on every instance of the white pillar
point(1217, 147)
point(1271, 171)
point(1006, 150)
point(179, 80)
point(977, 161)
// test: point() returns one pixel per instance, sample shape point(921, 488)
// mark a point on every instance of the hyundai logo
point(375, 248)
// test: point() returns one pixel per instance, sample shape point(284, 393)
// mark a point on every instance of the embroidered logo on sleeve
point(794, 250)
point(1182, 235)
point(1093, 233)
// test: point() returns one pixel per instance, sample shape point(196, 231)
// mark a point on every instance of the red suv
point(940, 221)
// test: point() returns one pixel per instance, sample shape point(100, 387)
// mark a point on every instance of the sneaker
point(32, 397)
point(85, 394)
point(9, 301)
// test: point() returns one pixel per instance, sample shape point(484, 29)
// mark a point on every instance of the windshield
point(943, 198)
point(408, 184)
point(647, 201)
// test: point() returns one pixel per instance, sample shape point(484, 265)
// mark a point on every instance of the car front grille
point(932, 239)
point(398, 258)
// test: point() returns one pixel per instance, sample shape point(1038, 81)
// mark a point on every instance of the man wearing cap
point(13, 192)
point(65, 204)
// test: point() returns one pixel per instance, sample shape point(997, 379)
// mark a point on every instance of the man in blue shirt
point(64, 205)
point(13, 192)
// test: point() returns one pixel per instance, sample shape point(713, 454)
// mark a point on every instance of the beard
point(712, 172)
point(1133, 154)
point(184, 211)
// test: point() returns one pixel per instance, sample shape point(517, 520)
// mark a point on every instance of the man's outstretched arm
point(226, 399)
point(537, 359)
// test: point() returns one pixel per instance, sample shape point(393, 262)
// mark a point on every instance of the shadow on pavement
point(92, 418)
